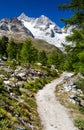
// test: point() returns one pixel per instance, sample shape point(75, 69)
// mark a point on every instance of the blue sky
point(34, 8)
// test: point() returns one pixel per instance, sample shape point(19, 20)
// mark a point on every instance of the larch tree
point(28, 52)
point(12, 49)
point(75, 54)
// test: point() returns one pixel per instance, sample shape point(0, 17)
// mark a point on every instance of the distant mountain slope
point(44, 28)
point(43, 45)
point(14, 28)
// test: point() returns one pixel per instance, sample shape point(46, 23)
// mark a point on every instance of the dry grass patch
point(64, 98)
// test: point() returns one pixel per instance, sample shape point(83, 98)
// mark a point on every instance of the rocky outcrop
point(17, 77)
point(69, 85)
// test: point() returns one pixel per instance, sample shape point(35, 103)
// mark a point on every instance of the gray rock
point(78, 92)
point(52, 34)
point(20, 128)
point(9, 83)
point(82, 102)
point(4, 27)
point(14, 28)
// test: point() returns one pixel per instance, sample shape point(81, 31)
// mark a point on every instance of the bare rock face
point(14, 28)
point(52, 33)
point(4, 27)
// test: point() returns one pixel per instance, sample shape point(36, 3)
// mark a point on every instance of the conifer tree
point(42, 57)
point(12, 49)
point(55, 58)
point(3, 45)
point(76, 51)
point(28, 53)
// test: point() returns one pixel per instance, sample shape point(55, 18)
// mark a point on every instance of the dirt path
point(53, 115)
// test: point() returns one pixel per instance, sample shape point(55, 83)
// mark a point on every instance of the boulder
point(9, 83)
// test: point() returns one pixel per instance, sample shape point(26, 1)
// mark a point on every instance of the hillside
point(43, 45)
point(18, 87)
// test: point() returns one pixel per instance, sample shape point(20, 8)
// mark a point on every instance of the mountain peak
point(24, 17)
point(43, 16)
point(23, 14)
point(43, 21)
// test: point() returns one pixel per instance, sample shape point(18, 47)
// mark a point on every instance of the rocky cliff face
point(14, 28)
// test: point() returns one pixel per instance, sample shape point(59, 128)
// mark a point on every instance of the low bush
point(79, 123)
point(37, 84)
point(53, 73)
point(1, 81)
point(81, 109)
point(1, 85)
point(80, 84)
point(4, 72)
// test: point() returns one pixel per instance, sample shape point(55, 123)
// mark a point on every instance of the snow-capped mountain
point(44, 28)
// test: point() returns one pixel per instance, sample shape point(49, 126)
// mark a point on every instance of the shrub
point(53, 73)
point(79, 123)
point(81, 109)
point(36, 85)
point(1, 85)
point(80, 84)
point(4, 72)
point(1, 81)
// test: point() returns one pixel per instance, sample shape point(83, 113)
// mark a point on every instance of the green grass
point(79, 123)
point(12, 111)
point(42, 45)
